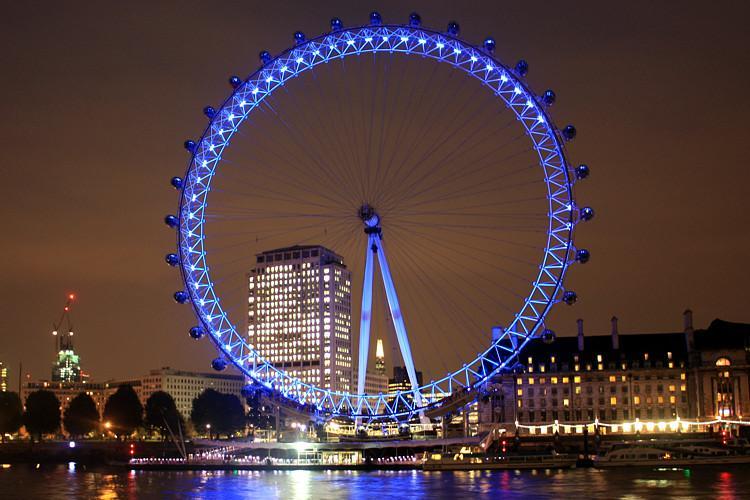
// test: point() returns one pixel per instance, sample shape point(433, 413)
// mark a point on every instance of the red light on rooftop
point(72, 296)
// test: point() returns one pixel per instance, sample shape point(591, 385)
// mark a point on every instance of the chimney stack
point(687, 318)
point(580, 334)
point(615, 334)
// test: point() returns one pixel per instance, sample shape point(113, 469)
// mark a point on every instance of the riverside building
point(182, 385)
point(621, 379)
point(299, 314)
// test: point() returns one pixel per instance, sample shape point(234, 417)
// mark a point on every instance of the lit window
point(577, 379)
point(723, 362)
point(531, 381)
point(612, 378)
point(613, 400)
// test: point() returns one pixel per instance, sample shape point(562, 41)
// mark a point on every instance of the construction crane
point(62, 341)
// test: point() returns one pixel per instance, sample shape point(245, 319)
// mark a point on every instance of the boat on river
point(671, 454)
point(512, 462)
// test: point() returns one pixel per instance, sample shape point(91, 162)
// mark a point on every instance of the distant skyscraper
point(299, 314)
point(3, 377)
point(67, 366)
point(376, 382)
point(380, 358)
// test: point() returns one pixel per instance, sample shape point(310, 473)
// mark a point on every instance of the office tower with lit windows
point(299, 314)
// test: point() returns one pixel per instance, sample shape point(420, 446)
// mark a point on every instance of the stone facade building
point(694, 374)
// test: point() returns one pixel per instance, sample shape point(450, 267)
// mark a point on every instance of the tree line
point(213, 412)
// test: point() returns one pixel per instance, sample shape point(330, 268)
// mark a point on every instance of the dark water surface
point(52, 482)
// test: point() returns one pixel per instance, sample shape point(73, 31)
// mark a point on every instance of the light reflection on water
point(75, 481)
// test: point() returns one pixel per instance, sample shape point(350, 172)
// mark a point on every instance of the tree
point(232, 418)
point(217, 413)
point(81, 417)
point(42, 414)
point(259, 416)
point(124, 411)
point(204, 411)
point(11, 413)
point(162, 414)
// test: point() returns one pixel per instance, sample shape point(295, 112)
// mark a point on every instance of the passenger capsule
point(336, 24)
point(171, 221)
point(549, 97)
point(196, 332)
point(172, 259)
point(209, 111)
point(218, 364)
point(189, 145)
point(235, 81)
point(587, 213)
point(583, 255)
point(176, 182)
point(582, 171)
point(415, 20)
point(522, 68)
point(375, 18)
point(570, 297)
point(489, 44)
point(181, 297)
point(548, 336)
point(453, 28)
point(265, 57)
point(299, 37)
point(569, 132)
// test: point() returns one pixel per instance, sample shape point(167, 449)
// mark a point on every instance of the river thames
point(71, 481)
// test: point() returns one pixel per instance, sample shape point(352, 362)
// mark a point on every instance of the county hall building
point(693, 374)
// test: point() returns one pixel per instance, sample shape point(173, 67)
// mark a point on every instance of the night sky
point(98, 98)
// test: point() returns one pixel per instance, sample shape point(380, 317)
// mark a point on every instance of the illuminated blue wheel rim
point(505, 83)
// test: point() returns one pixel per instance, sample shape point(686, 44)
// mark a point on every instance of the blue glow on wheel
point(477, 63)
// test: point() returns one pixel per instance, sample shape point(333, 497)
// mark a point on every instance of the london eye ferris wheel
point(434, 180)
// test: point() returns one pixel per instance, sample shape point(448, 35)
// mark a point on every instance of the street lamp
point(208, 430)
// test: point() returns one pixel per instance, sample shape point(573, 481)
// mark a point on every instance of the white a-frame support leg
point(364, 323)
point(398, 319)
